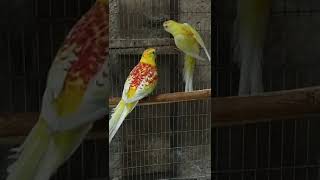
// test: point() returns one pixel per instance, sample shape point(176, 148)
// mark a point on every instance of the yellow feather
point(149, 57)
point(70, 98)
point(131, 92)
point(105, 2)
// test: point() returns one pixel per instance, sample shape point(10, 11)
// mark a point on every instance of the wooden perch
point(169, 98)
point(225, 110)
point(20, 124)
point(274, 105)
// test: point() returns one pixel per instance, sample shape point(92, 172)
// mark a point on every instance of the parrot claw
point(17, 149)
point(14, 156)
point(175, 48)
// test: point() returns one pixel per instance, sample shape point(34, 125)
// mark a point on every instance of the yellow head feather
point(171, 26)
point(149, 56)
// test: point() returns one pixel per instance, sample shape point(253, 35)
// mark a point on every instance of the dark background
point(31, 31)
point(277, 149)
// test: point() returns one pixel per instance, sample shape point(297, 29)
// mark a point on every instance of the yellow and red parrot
point(141, 81)
point(74, 98)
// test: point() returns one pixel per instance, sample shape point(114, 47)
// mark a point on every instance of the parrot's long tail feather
point(256, 82)
point(118, 116)
point(54, 157)
point(115, 121)
point(249, 33)
point(207, 53)
point(251, 70)
point(49, 163)
point(25, 167)
point(189, 65)
point(38, 156)
point(17, 151)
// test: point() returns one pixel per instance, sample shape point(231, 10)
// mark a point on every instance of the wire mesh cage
point(159, 141)
point(276, 148)
point(31, 33)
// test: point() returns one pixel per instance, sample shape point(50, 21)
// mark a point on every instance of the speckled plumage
point(143, 73)
point(68, 105)
point(140, 83)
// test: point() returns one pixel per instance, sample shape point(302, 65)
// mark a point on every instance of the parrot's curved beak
point(165, 24)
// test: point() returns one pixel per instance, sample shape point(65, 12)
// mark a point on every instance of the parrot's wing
point(126, 88)
point(191, 51)
point(198, 38)
point(92, 108)
point(59, 70)
point(143, 90)
point(55, 83)
point(84, 49)
point(146, 86)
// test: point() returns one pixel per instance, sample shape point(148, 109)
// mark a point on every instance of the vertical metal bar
point(83, 161)
point(269, 148)
point(284, 78)
point(294, 149)
point(243, 150)
point(95, 159)
point(11, 107)
point(216, 148)
point(256, 154)
point(50, 8)
point(36, 14)
point(64, 8)
point(37, 51)
point(69, 170)
point(282, 148)
point(230, 149)
point(24, 69)
point(308, 147)
point(51, 40)
point(78, 8)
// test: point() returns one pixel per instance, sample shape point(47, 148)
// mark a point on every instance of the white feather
point(116, 120)
point(92, 107)
point(126, 88)
point(141, 92)
point(53, 158)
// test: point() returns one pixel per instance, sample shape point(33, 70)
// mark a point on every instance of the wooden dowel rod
point(275, 105)
point(168, 98)
point(20, 124)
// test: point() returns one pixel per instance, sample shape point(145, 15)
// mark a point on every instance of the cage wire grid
point(278, 149)
point(29, 41)
point(162, 141)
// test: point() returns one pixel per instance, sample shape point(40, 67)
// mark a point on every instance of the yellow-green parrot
point(141, 81)
point(74, 98)
point(250, 28)
point(188, 40)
